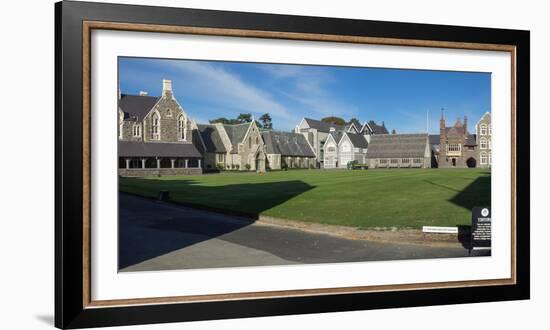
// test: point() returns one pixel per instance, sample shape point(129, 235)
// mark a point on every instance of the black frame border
point(69, 307)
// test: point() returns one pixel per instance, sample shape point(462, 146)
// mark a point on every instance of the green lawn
point(372, 198)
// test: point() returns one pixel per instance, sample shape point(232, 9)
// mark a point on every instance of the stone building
point(457, 147)
point(484, 134)
point(156, 136)
point(246, 147)
point(317, 133)
point(233, 147)
point(287, 150)
point(342, 147)
point(399, 151)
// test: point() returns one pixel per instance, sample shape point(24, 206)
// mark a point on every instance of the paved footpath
point(163, 236)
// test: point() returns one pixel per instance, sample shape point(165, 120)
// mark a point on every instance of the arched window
point(168, 113)
point(483, 158)
point(155, 126)
point(483, 143)
point(483, 129)
point(137, 130)
point(257, 140)
point(249, 142)
point(182, 130)
point(490, 130)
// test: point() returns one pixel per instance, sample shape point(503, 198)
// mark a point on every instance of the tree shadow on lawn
point(477, 193)
point(148, 228)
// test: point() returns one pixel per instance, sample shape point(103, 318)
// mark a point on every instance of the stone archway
point(471, 162)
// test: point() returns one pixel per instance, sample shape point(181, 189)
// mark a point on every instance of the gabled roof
point(358, 140)
point(337, 135)
point(397, 146)
point(287, 144)
point(374, 128)
point(137, 106)
point(236, 134)
point(378, 129)
point(356, 128)
point(156, 149)
point(321, 126)
point(211, 138)
point(434, 139)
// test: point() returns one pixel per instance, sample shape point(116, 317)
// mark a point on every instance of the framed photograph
point(214, 164)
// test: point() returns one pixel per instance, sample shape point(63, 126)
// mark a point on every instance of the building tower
point(442, 139)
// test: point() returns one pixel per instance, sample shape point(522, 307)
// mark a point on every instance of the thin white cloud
point(228, 90)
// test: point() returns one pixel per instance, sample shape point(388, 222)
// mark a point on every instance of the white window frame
point(155, 129)
point(483, 129)
point(182, 128)
point(136, 130)
point(483, 143)
point(483, 158)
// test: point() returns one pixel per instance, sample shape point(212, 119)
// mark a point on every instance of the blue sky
point(401, 98)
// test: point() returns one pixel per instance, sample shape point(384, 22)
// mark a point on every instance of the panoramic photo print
point(234, 164)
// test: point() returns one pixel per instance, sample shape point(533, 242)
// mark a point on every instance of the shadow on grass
point(477, 193)
point(148, 229)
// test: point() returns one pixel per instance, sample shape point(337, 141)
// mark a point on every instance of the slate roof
point(397, 146)
point(378, 129)
point(434, 139)
point(287, 144)
point(156, 149)
point(470, 140)
point(136, 105)
point(321, 126)
point(358, 140)
point(211, 138)
point(337, 135)
point(236, 134)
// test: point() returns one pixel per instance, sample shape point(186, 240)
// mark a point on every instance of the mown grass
point(402, 198)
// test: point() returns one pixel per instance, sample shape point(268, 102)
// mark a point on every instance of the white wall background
point(27, 163)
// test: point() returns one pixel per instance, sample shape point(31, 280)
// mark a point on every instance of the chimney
point(166, 87)
point(465, 125)
point(442, 120)
point(332, 129)
point(143, 93)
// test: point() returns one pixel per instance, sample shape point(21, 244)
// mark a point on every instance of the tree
point(265, 119)
point(334, 120)
point(225, 121)
point(244, 118)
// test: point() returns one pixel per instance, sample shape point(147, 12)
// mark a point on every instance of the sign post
point(481, 229)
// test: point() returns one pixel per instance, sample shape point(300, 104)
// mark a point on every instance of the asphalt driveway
point(156, 235)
